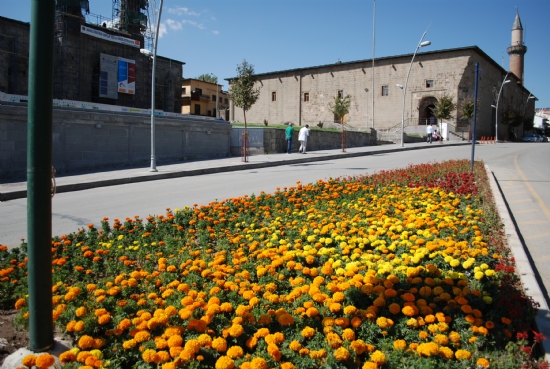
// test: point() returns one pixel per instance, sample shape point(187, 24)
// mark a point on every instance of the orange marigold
point(463, 354)
point(86, 342)
point(341, 354)
point(225, 362)
point(483, 363)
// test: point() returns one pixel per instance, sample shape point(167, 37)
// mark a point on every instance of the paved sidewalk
point(101, 178)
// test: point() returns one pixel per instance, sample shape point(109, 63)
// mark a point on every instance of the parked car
point(532, 137)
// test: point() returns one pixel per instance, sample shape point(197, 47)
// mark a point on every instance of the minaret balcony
point(517, 49)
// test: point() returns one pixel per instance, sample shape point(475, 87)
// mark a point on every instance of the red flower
point(538, 337)
point(522, 336)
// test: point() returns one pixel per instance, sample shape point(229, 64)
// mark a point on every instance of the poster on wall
point(126, 76)
point(108, 76)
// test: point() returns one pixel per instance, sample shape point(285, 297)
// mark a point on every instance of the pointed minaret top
point(517, 22)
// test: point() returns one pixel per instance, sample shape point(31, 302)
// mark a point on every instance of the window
point(341, 94)
point(274, 96)
point(226, 101)
point(199, 91)
point(385, 90)
point(306, 96)
point(183, 91)
point(429, 83)
point(209, 113)
point(214, 98)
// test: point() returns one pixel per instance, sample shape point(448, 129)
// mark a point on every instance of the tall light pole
point(504, 81)
point(373, 39)
point(153, 158)
point(420, 44)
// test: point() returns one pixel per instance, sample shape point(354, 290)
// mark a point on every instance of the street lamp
point(420, 44)
point(504, 81)
point(153, 54)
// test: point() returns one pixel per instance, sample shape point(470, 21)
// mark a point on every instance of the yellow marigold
point(29, 360)
point(341, 354)
point(205, 340)
point(428, 349)
point(219, 344)
point(175, 341)
point(370, 365)
point(350, 310)
point(463, 354)
point(192, 346)
point(44, 361)
point(236, 330)
point(274, 352)
point(308, 332)
point(446, 352)
point(454, 337)
point(295, 345)
point(149, 356)
point(285, 319)
point(441, 339)
point(382, 322)
point(400, 344)
point(142, 336)
point(225, 362)
point(20, 303)
point(483, 363)
point(378, 357)
point(358, 346)
point(335, 307)
point(67, 357)
point(235, 352)
point(129, 344)
point(287, 365)
point(317, 354)
point(85, 342)
point(410, 310)
point(348, 334)
point(258, 363)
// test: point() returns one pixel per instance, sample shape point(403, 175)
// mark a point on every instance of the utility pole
point(39, 174)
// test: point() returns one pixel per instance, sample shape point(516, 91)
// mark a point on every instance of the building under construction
point(97, 59)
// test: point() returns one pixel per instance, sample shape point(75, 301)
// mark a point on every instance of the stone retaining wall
point(88, 140)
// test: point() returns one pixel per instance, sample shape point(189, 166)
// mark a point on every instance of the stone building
point(302, 95)
point(88, 59)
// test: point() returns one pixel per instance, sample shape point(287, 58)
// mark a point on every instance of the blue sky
point(213, 36)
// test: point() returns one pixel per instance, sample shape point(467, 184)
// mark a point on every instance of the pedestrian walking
point(302, 137)
point(429, 132)
point(289, 131)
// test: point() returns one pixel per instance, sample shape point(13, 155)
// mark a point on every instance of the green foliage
point(511, 118)
point(467, 108)
point(444, 107)
point(242, 92)
point(341, 105)
point(207, 77)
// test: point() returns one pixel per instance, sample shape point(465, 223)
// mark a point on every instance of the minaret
point(517, 49)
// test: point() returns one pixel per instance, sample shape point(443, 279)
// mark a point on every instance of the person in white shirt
point(429, 132)
point(302, 137)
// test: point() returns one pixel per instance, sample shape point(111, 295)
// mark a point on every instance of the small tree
point(467, 109)
point(340, 108)
point(208, 78)
point(244, 95)
point(444, 108)
point(511, 118)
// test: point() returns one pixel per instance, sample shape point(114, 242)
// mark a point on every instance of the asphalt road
point(521, 170)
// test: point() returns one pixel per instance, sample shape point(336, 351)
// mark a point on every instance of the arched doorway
point(425, 114)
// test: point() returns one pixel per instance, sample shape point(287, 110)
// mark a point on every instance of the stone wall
point(272, 140)
point(90, 140)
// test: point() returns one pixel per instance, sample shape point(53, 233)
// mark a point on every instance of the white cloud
point(215, 32)
point(181, 11)
point(162, 30)
point(175, 25)
point(193, 23)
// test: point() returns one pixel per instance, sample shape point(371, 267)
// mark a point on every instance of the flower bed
point(404, 268)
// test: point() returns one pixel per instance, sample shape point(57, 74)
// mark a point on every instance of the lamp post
point(504, 81)
point(367, 108)
point(523, 114)
point(420, 44)
point(153, 54)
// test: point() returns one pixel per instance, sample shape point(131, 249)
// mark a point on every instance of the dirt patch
point(11, 338)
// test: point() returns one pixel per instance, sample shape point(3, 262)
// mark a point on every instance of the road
point(520, 169)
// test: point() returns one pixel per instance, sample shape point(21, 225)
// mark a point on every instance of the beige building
point(204, 98)
point(302, 95)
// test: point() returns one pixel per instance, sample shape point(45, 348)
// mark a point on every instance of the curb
point(18, 194)
point(523, 266)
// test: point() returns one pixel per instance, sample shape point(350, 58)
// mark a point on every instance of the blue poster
point(122, 76)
